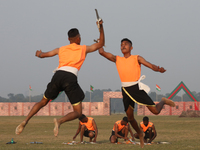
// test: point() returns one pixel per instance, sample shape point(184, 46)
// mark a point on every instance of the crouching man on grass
point(120, 130)
point(88, 128)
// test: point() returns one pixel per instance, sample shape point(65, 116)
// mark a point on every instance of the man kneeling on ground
point(149, 130)
point(120, 130)
point(87, 127)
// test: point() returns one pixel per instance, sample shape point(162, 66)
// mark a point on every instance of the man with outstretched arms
point(133, 91)
point(71, 58)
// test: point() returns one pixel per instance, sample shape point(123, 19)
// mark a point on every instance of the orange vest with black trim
point(88, 124)
point(150, 124)
point(128, 68)
point(72, 55)
point(119, 125)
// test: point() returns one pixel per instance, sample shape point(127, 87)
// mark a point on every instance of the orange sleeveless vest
point(72, 55)
point(146, 127)
point(119, 125)
point(88, 124)
point(128, 68)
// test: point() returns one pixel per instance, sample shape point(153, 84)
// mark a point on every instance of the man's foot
point(168, 102)
point(57, 125)
point(20, 128)
point(141, 140)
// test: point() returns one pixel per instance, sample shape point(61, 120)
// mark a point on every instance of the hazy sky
point(164, 32)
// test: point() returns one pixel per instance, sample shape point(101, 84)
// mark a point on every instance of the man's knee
point(91, 134)
point(156, 113)
point(113, 139)
point(126, 127)
point(44, 102)
point(83, 127)
point(150, 129)
point(124, 130)
point(153, 110)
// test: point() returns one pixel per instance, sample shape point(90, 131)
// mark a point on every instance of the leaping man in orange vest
point(149, 130)
point(120, 130)
point(133, 91)
point(71, 58)
point(87, 127)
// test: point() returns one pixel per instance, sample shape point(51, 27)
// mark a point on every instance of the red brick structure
point(97, 108)
point(59, 108)
point(106, 100)
point(51, 109)
point(177, 110)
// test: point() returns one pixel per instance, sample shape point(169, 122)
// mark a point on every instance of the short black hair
point(82, 117)
point(126, 39)
point(145, 118)
point(73, 32)
point(125, 119)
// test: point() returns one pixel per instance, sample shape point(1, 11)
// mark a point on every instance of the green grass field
point(182, 133)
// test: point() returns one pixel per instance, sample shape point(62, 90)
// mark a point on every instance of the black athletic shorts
point(86, 132)
point(65, 81)
point(132, 95)
point(113, 133)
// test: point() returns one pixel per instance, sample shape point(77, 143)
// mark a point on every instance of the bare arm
point(107, 55)
point(141, 60)
point(154, 136)
point(52, 53)
point(78, 131)
point(98, 45)
point(117, 135)
point(96, 130)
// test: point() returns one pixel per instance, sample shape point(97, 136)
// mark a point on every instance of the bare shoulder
point(140, 57)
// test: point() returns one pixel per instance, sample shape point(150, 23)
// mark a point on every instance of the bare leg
point(113, 139)
point(33, 111)
point(168, 102)
point(125, 132)
point(70, 116)
point(145, 140)
point(90, 139)
point(150, 133)
point(134, 124)
point(83, 127)
point(91, 136)
point(156, 110)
